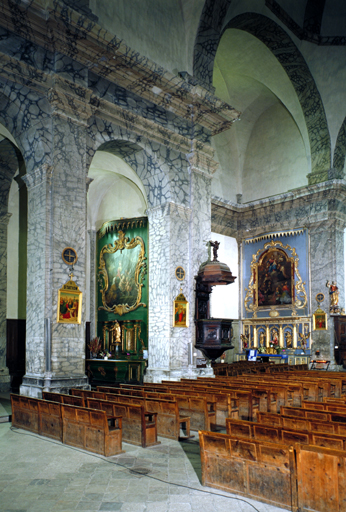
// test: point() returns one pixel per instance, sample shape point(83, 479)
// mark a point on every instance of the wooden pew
point(313, 414)
point(281, 434)
point(321, 478)
point(62, 398)
point(139, 426)
point(200, 409)
point(295, 423)
point(279, 392)
point(300, 477)
point(92, 430)
point(228, 403)
point(264, 398)
point(255, 469)
point(295, 391)
point(72, 425)
point(37, 415)
point(332, 406)
point(169, 423)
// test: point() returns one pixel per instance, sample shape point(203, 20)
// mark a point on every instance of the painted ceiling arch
point(339, 157)
point(292, 61)
point(289, 57)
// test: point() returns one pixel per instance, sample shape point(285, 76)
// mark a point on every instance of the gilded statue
point(334, 295)
point(115, 333)
point(262, 339)
point(244, 340)
point(288, 336)
point(303, 338)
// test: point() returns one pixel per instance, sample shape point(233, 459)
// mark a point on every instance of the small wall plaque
point(69, 256)
point(180, 273)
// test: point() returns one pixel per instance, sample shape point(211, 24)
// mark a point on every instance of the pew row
point(258, 470)
point(200, 409)
point(313, 414)
point(228, 403)
point(280, 434)
point(300, 478)
point(170, 423)
point(295, 423)
point(139, 426)
point(81, 427)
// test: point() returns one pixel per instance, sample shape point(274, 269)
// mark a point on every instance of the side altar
point(276, 320)
point(121, 347)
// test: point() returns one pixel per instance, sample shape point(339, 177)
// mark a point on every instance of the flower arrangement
point(95, 345)
point(105, 353)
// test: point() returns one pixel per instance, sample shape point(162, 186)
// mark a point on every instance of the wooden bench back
point(241, 466)
point(62, 398)
point(281, 434)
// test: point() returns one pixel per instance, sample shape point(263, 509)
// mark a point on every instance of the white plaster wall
point(275, 158)
point(224, 299)
point(116, 191)
point(12, 252)
point(163, 31)
point(123, 199)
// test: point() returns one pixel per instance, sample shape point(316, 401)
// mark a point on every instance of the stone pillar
point(56, 219)
point(4, 373)
point(93, 276)
point(178, 236)
point(326, 263)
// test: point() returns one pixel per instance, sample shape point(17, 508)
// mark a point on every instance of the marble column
point(55, 357)
point(92, 282)
point(178, 236)
point(4, 373)
point(327, 263)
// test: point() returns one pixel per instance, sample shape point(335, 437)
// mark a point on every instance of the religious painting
point(69, 304)
point(122, 269)
point(180, 312)
point(275, 281)
point(275, 278)
point(319, 320)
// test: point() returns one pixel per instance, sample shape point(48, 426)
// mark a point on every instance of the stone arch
point(162, 171)
point(340, 151)
point(207, 39)
point(288, 55)
point(21, 110)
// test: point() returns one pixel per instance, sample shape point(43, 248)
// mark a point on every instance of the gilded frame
point(298, 293)
point(319, 320)
point(180, 311)
point(69, 310)
point(122, 243)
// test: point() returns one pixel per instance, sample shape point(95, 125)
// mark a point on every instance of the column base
point(34, 385)
point(156, 375)
point(5, 380)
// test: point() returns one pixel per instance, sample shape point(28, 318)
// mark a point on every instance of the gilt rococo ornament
point(122, 274)
point(275, 280)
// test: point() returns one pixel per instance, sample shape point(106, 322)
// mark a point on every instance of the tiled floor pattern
point(41, 475)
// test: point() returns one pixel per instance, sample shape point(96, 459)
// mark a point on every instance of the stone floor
point(41, 475)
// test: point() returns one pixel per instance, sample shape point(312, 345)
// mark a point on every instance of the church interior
point(173, 216)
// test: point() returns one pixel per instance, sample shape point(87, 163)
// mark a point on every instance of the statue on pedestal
point(334, 297)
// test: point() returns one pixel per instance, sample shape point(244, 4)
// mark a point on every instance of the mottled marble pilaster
point(92, 282)
point(4, 373)
point(168, 248)
point(177, 237)
point(326, 263)
point(56, 219)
